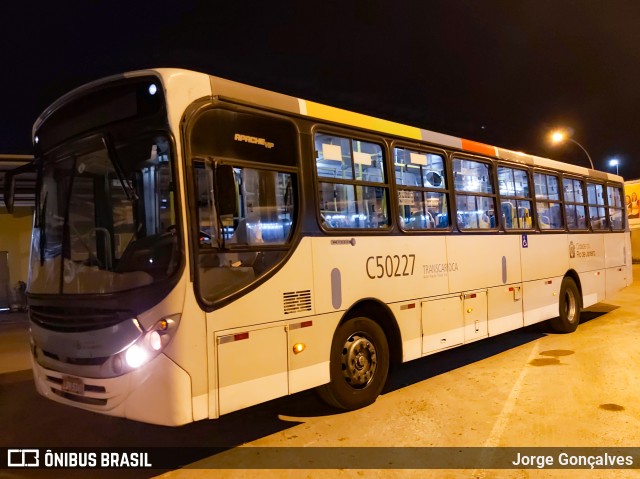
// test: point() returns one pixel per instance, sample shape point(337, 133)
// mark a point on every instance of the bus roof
point(248, 94)
point(243, 93)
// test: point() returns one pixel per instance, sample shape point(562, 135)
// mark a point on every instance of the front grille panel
point(76, 361)
point(81, 399)
point(75, 319)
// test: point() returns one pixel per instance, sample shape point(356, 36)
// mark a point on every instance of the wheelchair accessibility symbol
point(525, 241)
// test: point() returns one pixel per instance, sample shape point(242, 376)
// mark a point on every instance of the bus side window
point(259, 218)
point(574, 204)
point(352, 183)
point(514, 194)
point(614, 201)
point(423, 205)
point(475, 198)
point(597, 212)
point(548, 205)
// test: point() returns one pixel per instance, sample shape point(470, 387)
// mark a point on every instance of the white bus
point(201, 246)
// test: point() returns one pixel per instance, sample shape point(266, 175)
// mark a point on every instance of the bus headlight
point(136, 356)
point(148, 346)
point(155, 340)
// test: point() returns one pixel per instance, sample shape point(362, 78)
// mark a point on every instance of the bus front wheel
point(359, 365)
point(568, 308)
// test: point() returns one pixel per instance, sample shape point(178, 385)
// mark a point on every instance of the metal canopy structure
point(25, 183)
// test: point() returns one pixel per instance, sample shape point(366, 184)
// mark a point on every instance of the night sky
point(499, 72)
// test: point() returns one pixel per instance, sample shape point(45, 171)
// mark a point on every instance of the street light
point(560, 136)
point(614, 162)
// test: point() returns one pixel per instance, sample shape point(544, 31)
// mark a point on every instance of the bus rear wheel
point(568, 308)
point(359, 365)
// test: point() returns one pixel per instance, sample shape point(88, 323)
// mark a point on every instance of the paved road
point(526, 388)
point(14, 343)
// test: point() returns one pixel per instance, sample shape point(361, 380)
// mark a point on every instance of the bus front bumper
point(158, 392)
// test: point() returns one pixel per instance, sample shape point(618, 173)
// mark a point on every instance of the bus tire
point(359, 365)
point(569, 308)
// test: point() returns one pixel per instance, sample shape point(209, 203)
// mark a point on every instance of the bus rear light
point(298, 348)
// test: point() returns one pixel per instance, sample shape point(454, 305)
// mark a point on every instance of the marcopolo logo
point(23, 458)
point(344, 242)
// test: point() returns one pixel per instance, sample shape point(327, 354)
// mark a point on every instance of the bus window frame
point(583, 180)
point(531, 198)
point(623, 206)
point(191, 208)
point(604, 205)
point(560, 201)
point(447, 190)
point(454, 201)
point(322, 128)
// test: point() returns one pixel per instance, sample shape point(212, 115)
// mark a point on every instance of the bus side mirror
point(10, 183)
point(226, 192)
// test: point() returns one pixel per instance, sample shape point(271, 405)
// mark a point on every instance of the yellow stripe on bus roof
point(330, 113)
point(278, 101)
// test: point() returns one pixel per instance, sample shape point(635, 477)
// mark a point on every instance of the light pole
point(560, 136)
point(614, 162)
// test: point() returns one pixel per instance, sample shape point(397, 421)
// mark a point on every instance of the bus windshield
point(105, 218)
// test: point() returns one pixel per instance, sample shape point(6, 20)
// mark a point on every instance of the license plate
point(73, 385)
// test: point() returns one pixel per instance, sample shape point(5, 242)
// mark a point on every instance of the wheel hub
point(358, 360)
point(570, 306)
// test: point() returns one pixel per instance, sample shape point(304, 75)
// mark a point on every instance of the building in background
point(632, 200)
point(15, 232)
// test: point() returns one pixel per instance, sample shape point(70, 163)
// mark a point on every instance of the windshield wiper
point(127, 187)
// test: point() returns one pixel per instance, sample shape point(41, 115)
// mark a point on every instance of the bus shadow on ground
point(32, 421)
point(457, 357)
point(442, 362)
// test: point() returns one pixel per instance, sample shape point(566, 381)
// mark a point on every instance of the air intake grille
point(297, 301)
point(70, 319)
